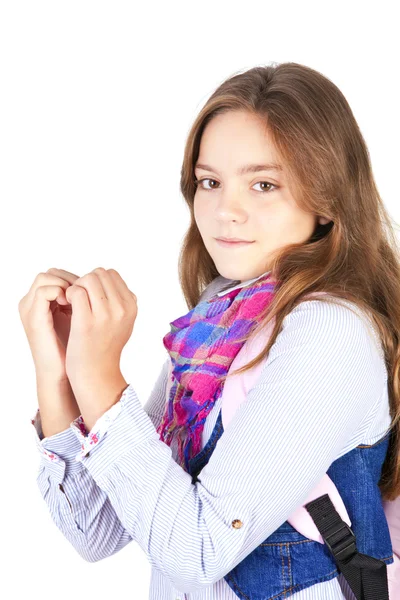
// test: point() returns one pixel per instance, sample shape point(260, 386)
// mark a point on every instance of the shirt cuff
point(58, 451)
point(88, 440)
point(124, 426)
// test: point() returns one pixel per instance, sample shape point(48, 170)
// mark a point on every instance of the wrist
point(96, 396)
point(57, 404)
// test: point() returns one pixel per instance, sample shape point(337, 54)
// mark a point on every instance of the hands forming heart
point(104, 311)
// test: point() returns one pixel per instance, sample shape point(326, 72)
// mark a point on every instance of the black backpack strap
point(366, 575)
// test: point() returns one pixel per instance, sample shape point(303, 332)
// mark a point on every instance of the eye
point(266, 183)
point(199, 183)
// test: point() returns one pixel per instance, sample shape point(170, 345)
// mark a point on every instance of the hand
point(104, 311)
point(46, 317)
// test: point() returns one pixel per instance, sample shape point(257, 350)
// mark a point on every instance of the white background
point(96, 100)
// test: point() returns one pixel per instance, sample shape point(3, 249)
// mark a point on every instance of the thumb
point(81, 304)
point(68, 293)
point(61, 298)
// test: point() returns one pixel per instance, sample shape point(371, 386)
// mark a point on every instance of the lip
point(225, 244)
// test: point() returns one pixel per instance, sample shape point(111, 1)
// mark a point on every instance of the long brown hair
point(355, 256)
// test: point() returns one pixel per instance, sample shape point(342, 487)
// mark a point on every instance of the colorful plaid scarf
point(202, 345)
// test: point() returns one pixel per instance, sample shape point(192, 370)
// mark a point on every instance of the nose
point(230, 205)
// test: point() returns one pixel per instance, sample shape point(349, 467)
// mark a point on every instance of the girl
point(283, 205)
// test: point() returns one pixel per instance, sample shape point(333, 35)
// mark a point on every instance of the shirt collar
point(242, 284)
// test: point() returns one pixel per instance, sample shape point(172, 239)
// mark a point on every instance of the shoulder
point(336, 325)
point(328, 356)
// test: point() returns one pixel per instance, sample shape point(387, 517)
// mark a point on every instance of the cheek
point(278, 224)
point(200, 211)
point(287, 227)
point(270, 218)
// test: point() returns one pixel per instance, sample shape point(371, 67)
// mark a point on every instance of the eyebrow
point(245, 169)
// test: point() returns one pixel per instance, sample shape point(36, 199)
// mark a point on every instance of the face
point(256, 206)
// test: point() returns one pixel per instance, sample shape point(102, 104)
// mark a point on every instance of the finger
point(97, 297)
point(113, 286)
point(44, 279)
point(121, 286)
point(44, 295)
point(78, 297)
point(67, 275)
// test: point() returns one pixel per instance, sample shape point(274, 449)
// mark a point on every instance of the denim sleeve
point(312, 403)
point(78, 506)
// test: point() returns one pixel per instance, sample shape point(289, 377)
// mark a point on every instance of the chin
point(231, 274)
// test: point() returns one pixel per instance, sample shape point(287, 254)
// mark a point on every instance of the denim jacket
point(287, 561)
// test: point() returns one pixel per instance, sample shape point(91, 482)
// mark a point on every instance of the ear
point(323, 220)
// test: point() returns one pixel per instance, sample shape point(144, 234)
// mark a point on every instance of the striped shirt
point(321, 392)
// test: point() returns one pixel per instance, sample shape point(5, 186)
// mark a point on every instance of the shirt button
point(237, 523)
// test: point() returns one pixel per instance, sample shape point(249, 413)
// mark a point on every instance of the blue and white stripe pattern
point(322, 390)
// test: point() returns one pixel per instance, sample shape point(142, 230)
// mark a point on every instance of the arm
point(312, 404)
point(79, 508)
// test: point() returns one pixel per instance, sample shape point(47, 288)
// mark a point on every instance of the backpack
point(386, 583)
